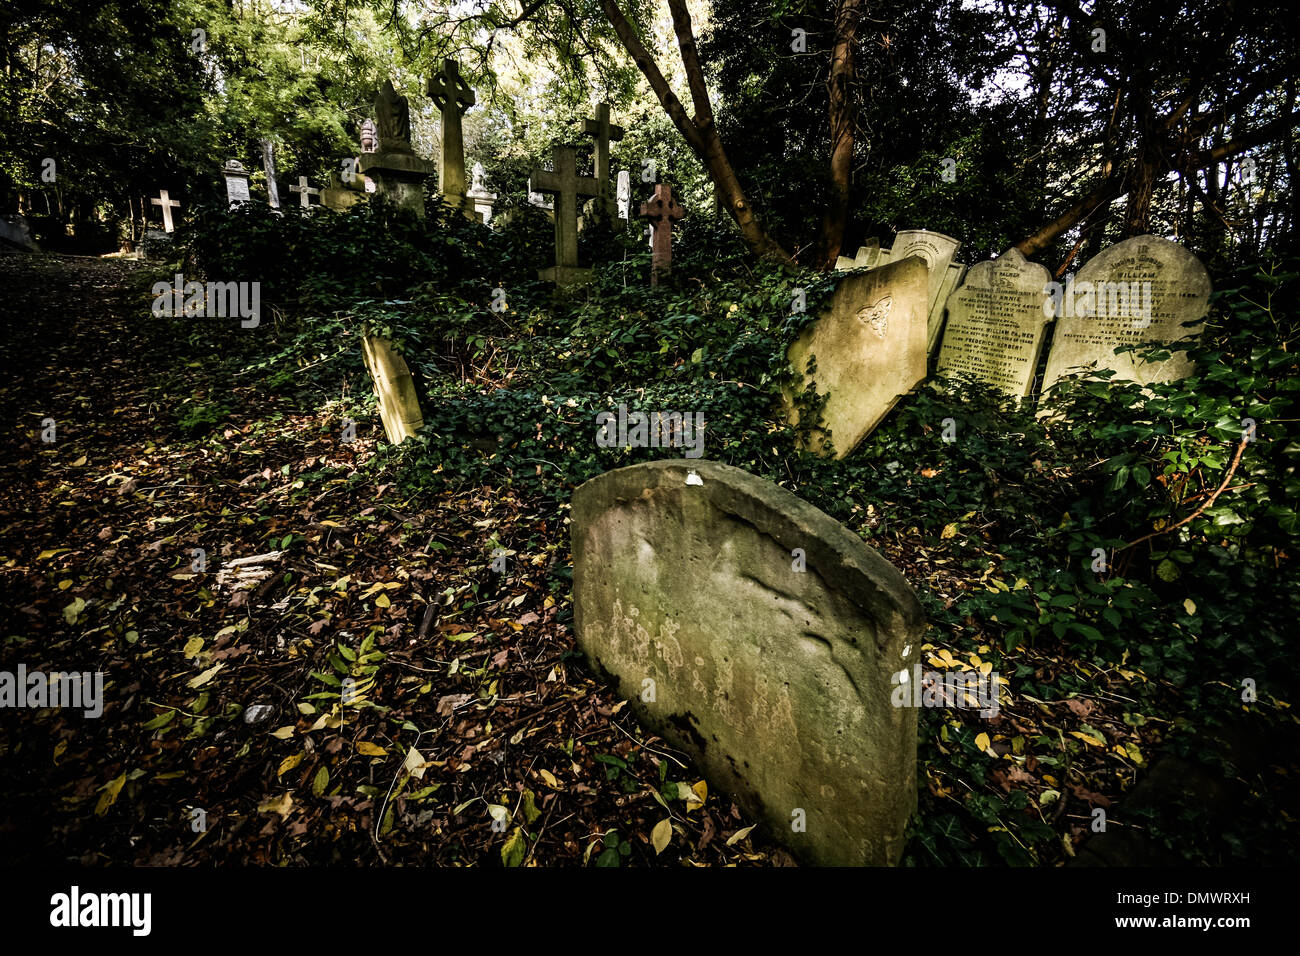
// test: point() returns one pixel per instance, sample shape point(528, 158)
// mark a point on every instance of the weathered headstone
point(603, 131)
point(399, 405)
point(565, 183)
point(773, 674)
point(937, 250)
point(662, 210)
point(268, 167)
point(167, 204)
point(236, 182)
point(342, 196)
point(996, 323)
point(452, 95)
point(304, 191)
point(623, 195)
point(870, 349)
point(1140, 290)
point(398, 173)
point(479, 196)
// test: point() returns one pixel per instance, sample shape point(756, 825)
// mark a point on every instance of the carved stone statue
point(393, 118)
point(478, 177)
point(369, 136)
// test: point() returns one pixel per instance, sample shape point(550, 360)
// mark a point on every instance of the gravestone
point(870, 349)
point(996, 323)
point(304, 191)
point(452, 95)
point(623, 194)
point(399, 405)
point(268, 167)
point(603, 131)
point(167, 204)
point(1140, 290)
point(565, 183)
point(937, 250)
point(776, 681)
point(341, 196)
point(662, 210)
point(398, 173)
point(479, 196)
point(236, 182)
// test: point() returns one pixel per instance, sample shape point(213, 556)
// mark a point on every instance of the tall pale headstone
point(870, 349)
point(481, 199)
point(399, 405)
point(623, 195)
point(1140, 290)
point(773, 674)
point(996, 323)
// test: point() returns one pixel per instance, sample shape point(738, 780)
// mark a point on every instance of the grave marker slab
point(399, 405)
point(1141, 290)
point(996, 323)
point(236, 182)
point(870, 349)
point(777, 683)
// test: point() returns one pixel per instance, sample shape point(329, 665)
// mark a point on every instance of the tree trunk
point(699, 132)
point(842, 89)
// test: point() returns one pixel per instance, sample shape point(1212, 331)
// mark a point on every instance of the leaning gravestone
point(399, 406)
point(1140, 290)
point(777, 681)
point(870, 349)
point(996, 322)
point(936, 249)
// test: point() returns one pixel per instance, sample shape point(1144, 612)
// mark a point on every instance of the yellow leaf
point(949, 531)
point(982, 742)
point(288, 763)
point(109, 796)
point(193, 646)
point(1087, 739)
point(382, 601)
point(65, 584)
point(46, 555)
point(662, 835)
point(284, 733)
point(986, 668)
point(206, 676)
point(79, 462)
point(1190, 607)
point(513, 850)
point(368, 749)
point(740, 834)
point(282, 805)
point(696, 795)
point(550, 779)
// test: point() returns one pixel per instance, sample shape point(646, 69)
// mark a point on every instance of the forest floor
point(368, 689)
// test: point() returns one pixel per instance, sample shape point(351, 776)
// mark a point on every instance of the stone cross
point(304, 192)
point(662, 210)
point(565, 183)
point(167, 203)
point(602, 131)
point(452, 95)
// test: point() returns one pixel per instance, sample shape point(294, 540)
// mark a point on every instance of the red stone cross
point(662, 210)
